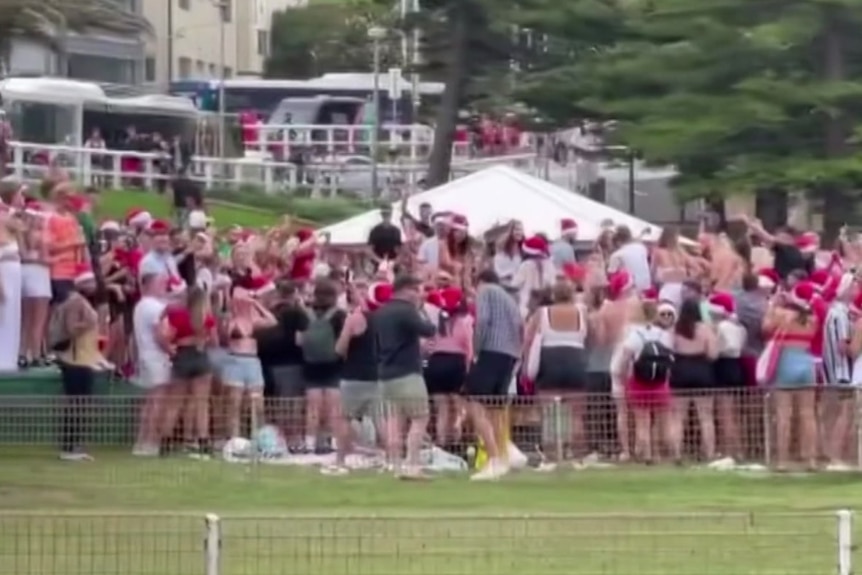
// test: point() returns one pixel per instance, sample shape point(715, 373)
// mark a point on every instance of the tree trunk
point(440, 162)
point(837, 204)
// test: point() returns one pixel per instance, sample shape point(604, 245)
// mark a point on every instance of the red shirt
point(302, 266)
point(180, 320)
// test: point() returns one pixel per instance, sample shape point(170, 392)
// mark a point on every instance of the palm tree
point(47, 21)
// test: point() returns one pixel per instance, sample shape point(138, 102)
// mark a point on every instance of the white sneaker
point(75, 456)
point(516, 457)
point(334, 470)
point(495, 469)
point(144, 450)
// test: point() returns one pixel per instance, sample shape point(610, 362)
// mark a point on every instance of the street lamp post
point(222, 6)
point(376, 34)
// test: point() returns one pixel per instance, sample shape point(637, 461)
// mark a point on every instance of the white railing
point(120, 168)
point(428, 543)
point(412, 140)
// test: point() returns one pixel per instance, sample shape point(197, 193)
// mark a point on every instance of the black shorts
point(190, 363)
point(728, 373)
point(491, 375)
point(446, 373)
point(60, 290)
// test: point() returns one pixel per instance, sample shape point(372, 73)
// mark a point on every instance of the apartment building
point(192, 41)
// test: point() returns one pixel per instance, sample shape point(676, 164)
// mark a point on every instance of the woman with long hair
point(450, 354)
point(670, 265)
point(561, 365)
point(10, 292)
point(35, 286)
point(455, 255)
point(535, 272)
point(692, 378)
point(508, 255)
point(242, 373)
point(191, 327)
point(791, 326)
point(730, 380)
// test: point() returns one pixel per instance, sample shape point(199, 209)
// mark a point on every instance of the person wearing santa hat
point(838, 368)
point(450, 355)
point(536, 271)
point(728, 368)
point(75, 339)
point(160, 258)
point(793, 328)
point(788, 255)
point(35, 285)
point(138, 220)
point(563, 249)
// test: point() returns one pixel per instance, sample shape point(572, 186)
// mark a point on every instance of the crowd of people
point(440, 327)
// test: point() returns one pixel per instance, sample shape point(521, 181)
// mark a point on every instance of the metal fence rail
point(705, 543)
point(743, 424)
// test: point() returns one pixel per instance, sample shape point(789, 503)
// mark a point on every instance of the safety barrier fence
point(809, 428)
point(431, 544)
point(327, 175)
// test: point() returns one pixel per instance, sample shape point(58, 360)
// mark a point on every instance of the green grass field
point(146, 517)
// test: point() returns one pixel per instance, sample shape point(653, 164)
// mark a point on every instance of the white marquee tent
point(496, 195)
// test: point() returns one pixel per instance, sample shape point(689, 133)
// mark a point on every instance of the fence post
point(845, 542)
point(212, 544)
point(767, 429)
point(559, 447)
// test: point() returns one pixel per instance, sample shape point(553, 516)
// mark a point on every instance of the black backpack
point(653, 364)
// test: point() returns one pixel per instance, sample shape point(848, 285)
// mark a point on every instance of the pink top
point(459, 338)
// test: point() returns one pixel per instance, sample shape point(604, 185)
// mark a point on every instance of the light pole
point(223, 6)
point(376, 34)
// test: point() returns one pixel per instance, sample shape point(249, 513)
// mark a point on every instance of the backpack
point(653, 364)
point(58, 337)
point(318, 341)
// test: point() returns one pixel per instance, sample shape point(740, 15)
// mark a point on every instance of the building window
point(263, 43)
point(185, 68)
point(150, 69)
point(200, 68)
point(213, 70)
point(227, 10)
point(228, 72)
point(185, 4)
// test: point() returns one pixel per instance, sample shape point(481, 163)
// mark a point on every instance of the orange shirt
point(64, 230)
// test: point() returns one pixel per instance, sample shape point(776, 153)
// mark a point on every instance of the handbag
point(767, 361)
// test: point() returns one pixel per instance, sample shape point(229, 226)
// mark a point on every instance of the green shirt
point(88, 225)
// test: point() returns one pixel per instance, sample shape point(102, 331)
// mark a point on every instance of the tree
point(755, 95)
point(323, 38)
point(45, 20)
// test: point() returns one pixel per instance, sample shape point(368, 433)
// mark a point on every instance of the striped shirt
point(836, 332)
point(499, 327)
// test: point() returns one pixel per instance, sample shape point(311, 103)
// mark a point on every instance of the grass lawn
point(145, 517)
point(116, 203)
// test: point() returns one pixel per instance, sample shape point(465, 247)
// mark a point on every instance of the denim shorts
point(242, 371)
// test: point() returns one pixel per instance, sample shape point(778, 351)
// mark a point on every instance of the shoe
point(144, 450)
point(516, 457)
point(412, 473)
point(334, 470)
point(494, 470)
point(75, 456)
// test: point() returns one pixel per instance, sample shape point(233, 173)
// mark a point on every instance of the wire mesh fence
point(755, 426)
point(708, 543)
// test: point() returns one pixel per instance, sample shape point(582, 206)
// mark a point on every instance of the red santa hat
point(138, 218)
point(808, 242)
point(84, 273)
point(109, 226)
point(536, 246)
point(568, 228)
point(379, 294)
point(459, 222)
point(767, 279)
point(666, 307)
point(159, 227)
point(722, 304)
point(802, 294)
point(650, 294)
point(820, 278)
point(451, 299)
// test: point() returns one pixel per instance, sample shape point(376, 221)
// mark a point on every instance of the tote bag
point(767, 362)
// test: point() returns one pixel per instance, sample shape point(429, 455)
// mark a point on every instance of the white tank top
point(563, 338)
